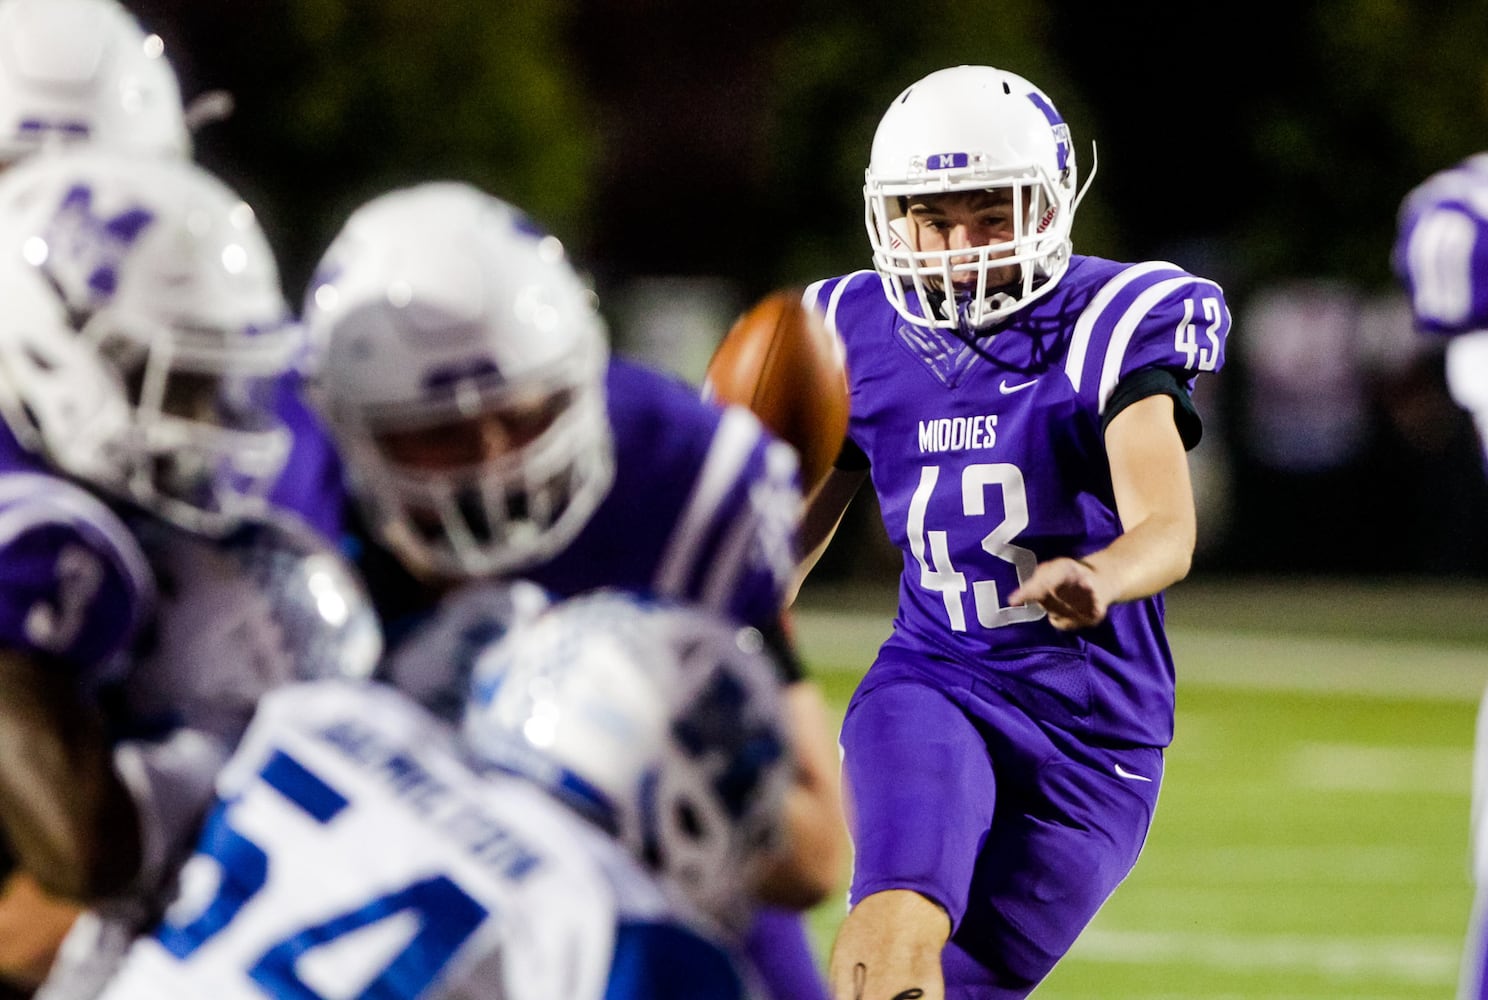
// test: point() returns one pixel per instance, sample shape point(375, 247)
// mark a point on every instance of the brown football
point(781, 362)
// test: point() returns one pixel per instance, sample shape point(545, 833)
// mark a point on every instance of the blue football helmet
point(661, 723)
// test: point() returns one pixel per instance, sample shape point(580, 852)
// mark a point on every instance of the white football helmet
point(85, 71)
point(971, 128)
point(439, 308)
point(663, 724)
point(144, 332)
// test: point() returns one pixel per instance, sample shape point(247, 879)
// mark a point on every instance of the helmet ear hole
point(688, 819)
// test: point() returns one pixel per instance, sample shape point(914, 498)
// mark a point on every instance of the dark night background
point(1261, 144)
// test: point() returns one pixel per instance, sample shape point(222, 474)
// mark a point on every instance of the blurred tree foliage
point(1250, 140)
point(339, 101)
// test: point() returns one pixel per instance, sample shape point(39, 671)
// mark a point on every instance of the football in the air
point(781, 362)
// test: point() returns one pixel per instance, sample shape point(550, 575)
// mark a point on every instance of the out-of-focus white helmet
point(439, 307)
point(663, 724)
point(85, 71)
point(144, 332)
point(970, 128)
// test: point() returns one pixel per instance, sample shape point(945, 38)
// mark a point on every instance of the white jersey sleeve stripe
point(829, 314)
point(1121, 336)
point(730, 562)
point(738, 433)
point(1074, 362)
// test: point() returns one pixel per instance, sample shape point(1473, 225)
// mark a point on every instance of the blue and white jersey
point(988, 457)
point(177, 635)
point(352, 852)
point(704, 507)
point(233, 619)
point(1441, 248)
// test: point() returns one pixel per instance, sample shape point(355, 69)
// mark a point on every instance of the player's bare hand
point(1069, 592)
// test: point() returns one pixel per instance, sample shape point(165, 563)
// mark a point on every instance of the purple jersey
point(74, 584)
point(80, 576)
point(1441, 250)
point(310, 485)
point(704, 506)
point(989, 458)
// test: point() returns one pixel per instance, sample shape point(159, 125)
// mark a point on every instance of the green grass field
point(1311, 839)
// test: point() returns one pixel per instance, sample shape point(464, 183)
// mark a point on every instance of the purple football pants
point(978, 796)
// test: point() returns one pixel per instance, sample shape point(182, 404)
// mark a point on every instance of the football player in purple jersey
point(148, 579)
point(71, 71)
point(1023, 414)
point(86, 72)
point(487, 432)
point(1441, 258)
point(75, 74)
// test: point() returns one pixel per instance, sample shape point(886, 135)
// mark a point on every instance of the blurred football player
point(71, 71)
point(1023, 413)
point(84, 71)
point(487, 432)
point(618, 760)
point(1441, 258)
point(143, 342)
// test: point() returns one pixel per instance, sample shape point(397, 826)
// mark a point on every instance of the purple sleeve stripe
point(1074, 362)
point(29, 500)
point(733, 442)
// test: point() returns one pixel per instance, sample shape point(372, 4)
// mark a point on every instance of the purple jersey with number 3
point(988, 458)
point(74, 584)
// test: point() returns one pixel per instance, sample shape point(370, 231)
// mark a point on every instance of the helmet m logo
point(1061, 130)
point(85, 249)
point(946, 161)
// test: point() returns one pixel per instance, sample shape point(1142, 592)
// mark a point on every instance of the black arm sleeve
point(851, 457)
point(783, 651)
point(1157, 382)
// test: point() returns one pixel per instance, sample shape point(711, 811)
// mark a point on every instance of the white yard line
point(1345, 767)
point(844, 642)
point(1299, 663)
point(1427, 961)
